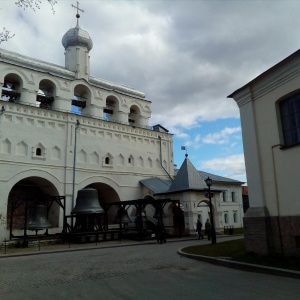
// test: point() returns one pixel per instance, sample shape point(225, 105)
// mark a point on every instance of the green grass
point(235, 250)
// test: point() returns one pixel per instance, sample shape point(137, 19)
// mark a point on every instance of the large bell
point(123, 214)
point(159, 213)
point(141, 216)
point(87, 202)
point(38, 218)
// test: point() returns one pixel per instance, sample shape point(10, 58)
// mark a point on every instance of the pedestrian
point(199, 229)
point(208, 229)
point(161, 233)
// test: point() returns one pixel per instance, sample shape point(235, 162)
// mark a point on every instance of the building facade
point(270, 116)
point(63, 130)
point(190, 188)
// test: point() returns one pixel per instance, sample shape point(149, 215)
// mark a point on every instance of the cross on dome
point(78, 9)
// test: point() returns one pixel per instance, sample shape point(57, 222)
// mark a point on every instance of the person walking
point(208, 229)
point(160, 233)
point(199, 229)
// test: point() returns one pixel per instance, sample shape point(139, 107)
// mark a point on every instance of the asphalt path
point(147, 271)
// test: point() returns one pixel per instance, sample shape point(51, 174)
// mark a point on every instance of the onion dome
point(77, 37)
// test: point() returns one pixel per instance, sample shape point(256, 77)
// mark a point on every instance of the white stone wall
point(134, 151)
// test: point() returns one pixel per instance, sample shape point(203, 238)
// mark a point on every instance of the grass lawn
point(235, 250)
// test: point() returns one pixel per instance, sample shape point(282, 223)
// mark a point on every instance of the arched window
point(107, 160)
point(233, 196)
point(290, 119)
point(226, 218)
point(224, 196)
point(38, 152)
point(235, 217)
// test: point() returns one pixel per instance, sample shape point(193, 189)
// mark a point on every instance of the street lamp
point(208, 182)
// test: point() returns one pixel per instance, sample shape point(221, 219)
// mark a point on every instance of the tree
point(5, 35)
point(32, 4)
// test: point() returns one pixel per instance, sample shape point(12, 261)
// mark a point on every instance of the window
point(290, 119)
point(224, 194)
point(233, 196)
point(226, 218)
point(38, 152)
point(235, 217)
point(107, 161)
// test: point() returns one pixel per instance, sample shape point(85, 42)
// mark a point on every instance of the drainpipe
point(276, 192)
point(160, 155)
point(2, 111)
point(74, 166)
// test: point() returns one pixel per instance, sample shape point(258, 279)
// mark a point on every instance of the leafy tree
point(32, 4)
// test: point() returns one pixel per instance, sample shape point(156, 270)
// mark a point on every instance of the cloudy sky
point(187, 56)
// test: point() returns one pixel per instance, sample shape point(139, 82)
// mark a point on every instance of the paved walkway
point(57, 248)
point(141, 271)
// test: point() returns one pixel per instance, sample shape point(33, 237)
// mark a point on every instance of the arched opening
point(24, 195)
point(81, 99)
point(178, 218)
point(46, 94)
point(106, 195)
point(11, 88)
point(111, 109)
point(38, 152)
point(134, 116)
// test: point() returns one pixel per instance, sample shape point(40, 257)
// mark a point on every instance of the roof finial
point(77, 7)
point(184, 148)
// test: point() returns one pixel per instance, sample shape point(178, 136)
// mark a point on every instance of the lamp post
point(208, 182)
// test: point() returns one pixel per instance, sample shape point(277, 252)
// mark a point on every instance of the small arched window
point(38, 152)
point(107, 160)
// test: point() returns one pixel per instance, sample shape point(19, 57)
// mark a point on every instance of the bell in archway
point(159, 213)
point(123, 214)
point(38, 218)
point(141, 216)
point(87, 202)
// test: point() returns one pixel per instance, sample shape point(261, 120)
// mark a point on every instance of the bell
point(38, 219)
point(87, 202)
point(159, 213)
point(123, 213)
point(141, 217)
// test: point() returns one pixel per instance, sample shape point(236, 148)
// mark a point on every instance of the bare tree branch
point(32, 4)
point(5, 35)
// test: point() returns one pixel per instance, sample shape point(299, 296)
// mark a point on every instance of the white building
point(189, 186)
point(63, 130)
point(270, 115)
